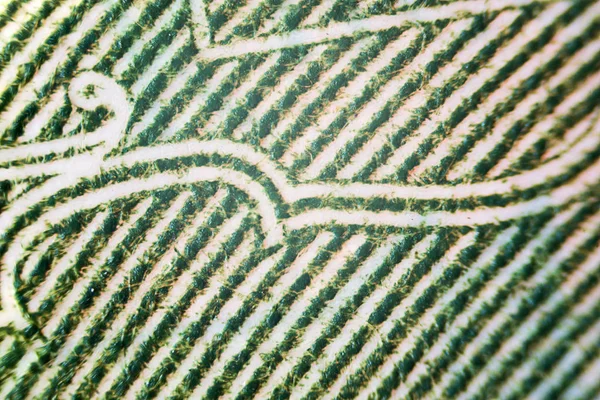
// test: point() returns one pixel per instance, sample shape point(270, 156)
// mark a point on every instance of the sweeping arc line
point(479, 216)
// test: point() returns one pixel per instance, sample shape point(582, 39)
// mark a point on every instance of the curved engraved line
point(337, 30)
point(107, 93)
point(478, 216)
point(10, 306)
point(291, 193)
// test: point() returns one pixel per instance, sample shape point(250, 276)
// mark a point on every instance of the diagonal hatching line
point(163, 101)
point(110, 289)
point(159, 62)
point(257, 316)
point(505, 90)
point(571, 246)
point(43, 291)
point(565, 292)
point(427, 55)
point(103, 46)
point(27, 12)
point(270, 23)
point(213, 5)
point(43, 117)
point(34, 258)
point(279, 91)
point(472, 85)
point(179, 288)
point(276, 293)
point(487, 294)
point(307, 98)
point(277, 335)
point(345, 97)
point(203, 257)
point(586, 385)
point(215, 329)
point(29, 92)
point(373, 24)
point(132, 306)
point(432, 279)
point(198, 101)
point(419, 98)
point(358, 319)
point(363, 7)
point(317, 12)
point(326, 316)
point(237, 96)
point(561, 332)
point(384, 94)
point(242, 292)
point(63, 307)
point(587, 344)
point(201, 27)
point(573, 136)
point(123, 64)
point(511, 305)
point(541, 129)
point(362, 316)
point(479, 152)
point(8, 73)
point(240, 16)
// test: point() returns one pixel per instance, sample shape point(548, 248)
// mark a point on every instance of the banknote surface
point(300, 199)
